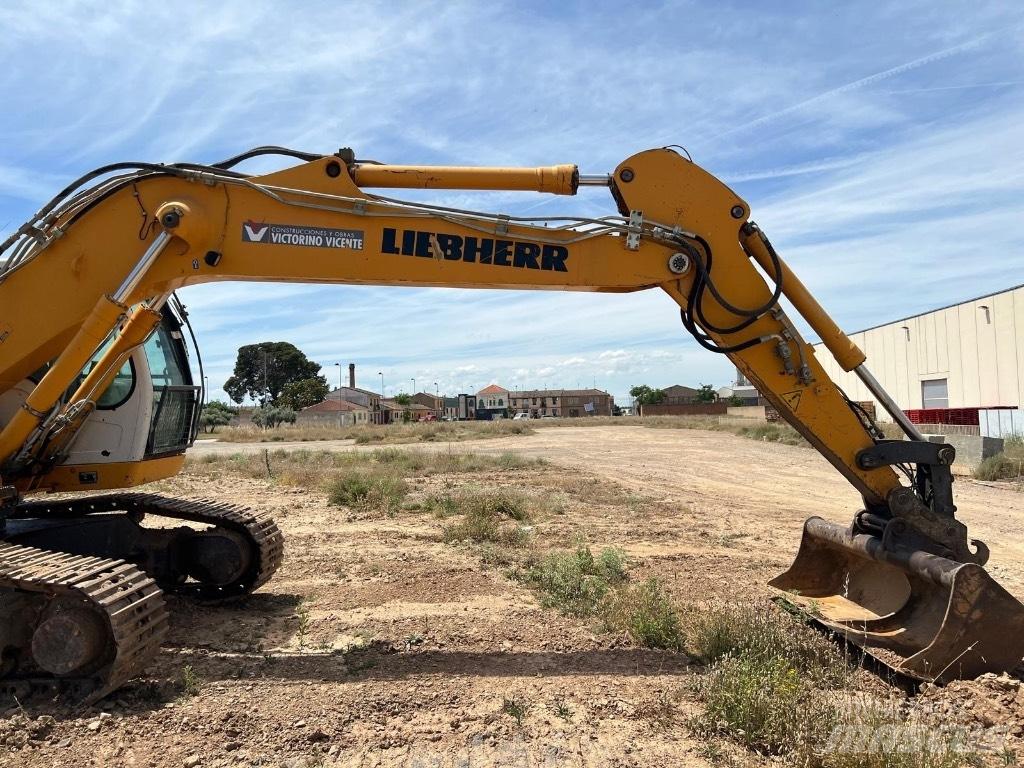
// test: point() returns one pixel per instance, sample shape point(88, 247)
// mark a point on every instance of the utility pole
point(266, 389)
point(339, 380)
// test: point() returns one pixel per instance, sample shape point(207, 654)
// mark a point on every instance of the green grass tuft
point(647, 614)
point(576, 582)
point(763, 630)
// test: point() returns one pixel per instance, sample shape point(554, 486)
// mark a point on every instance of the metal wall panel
point(977, 346)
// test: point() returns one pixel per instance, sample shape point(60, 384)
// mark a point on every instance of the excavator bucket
point(921, 615)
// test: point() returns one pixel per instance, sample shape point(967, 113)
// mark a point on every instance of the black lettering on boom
point(518, 254)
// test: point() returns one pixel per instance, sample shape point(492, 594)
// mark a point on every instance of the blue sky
point(880, 145)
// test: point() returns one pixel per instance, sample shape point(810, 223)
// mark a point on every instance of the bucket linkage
point(902, 583)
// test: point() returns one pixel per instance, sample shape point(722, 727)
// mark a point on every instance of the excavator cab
point(177, 401)
point(149, 410)
point(154, 390)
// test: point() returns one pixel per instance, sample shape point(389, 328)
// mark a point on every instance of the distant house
point(460, 408)
point(364, 397)
point(741, 392)
point(562, 403)
point(394, 412)
point(434, 402)
point(492, 402)
point(677, 394)
point(341, 413)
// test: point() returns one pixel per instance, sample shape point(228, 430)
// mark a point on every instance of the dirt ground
point(379, 645)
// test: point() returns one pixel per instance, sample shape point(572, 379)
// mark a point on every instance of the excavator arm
point(96, 266)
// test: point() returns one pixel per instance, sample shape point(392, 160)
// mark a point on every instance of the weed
point(480, 525)
point(516, 708)
point(502, 503)
point(498, 555)
point(1000, 467)
point(562, 709)
point(710, 751)
point(381, 434)
point(647, 614)
point(320, 469)
point(365, 490)
point(877, 734)
point(764, 631)
point(486, 515)
point(509, 460)
point(190, 682)
point(772, 433)
point(763, 703)
point(576, 582)
point(302, 628)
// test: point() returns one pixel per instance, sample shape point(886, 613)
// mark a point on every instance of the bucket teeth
point(921, 615)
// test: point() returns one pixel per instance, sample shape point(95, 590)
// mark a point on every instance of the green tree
point(645, 395)
point(706, 394)
point(297, 395)
point(404, 400)
point(216, 414)
point(262, 371)
point(269, 417)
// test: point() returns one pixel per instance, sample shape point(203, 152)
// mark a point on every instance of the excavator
point(97, 395)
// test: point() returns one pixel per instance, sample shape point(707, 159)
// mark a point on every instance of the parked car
point(521, 416)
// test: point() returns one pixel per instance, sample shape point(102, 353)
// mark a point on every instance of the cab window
point(165, 355)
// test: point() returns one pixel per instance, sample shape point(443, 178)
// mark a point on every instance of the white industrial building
point(965, 355)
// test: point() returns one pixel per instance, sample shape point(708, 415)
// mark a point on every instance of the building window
point(934, 393)
point(501, 401)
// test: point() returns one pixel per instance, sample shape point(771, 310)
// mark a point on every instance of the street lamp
point(381, 374)
point(413, 380)
point(339, 380)
point(206, 388)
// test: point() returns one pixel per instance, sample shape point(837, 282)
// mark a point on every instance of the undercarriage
point(82, 582)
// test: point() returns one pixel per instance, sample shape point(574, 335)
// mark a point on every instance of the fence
point(950, 429)
point(693, 409)
point(331, 418)
point(1001, 422)
point(740, 421)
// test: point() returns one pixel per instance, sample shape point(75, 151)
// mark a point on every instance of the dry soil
point(379, 645)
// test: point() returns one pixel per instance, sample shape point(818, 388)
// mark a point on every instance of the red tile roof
point(493, 389)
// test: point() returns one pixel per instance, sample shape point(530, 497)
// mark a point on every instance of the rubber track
point(129, 600)
point(262, 532)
